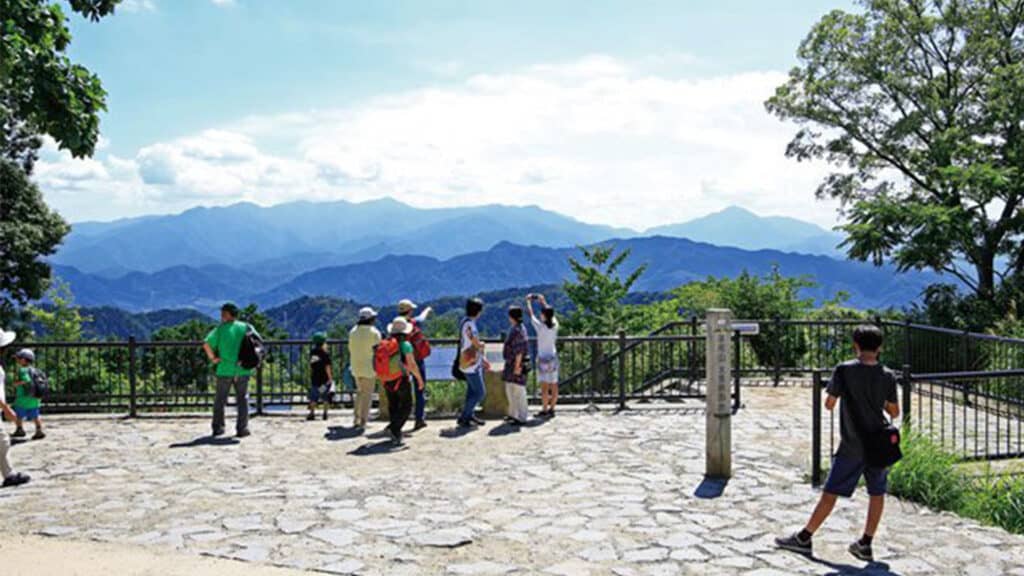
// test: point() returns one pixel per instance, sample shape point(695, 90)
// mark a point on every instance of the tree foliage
point(42, 90)
point(598, 290)
point(29, 230)
point(60, 320)
point(919, 107)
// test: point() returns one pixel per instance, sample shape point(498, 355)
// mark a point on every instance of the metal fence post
point(816, 430)
point(907, 384)
point(133, 409)
point(965, 354)
point(692, 350)
point(737, 345)
point(259, 390)
point(778, 351)
point(907, 343)
point(622, 369)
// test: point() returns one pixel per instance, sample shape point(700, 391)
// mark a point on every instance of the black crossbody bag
point(881, 446)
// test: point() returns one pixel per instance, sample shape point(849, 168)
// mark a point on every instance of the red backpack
point(387, 361)
point(420, 344)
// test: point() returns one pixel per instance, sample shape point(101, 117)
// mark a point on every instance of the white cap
point(6, 337)
point(367, 313)
point(405, 306)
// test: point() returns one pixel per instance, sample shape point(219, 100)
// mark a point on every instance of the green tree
point(263, 324)
point(598, 290)
point(29, 230)
point(61, 320)
point(919, 105)
point(42, 90)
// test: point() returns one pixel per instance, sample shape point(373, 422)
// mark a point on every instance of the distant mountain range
point(282, 241)
point(671, 262)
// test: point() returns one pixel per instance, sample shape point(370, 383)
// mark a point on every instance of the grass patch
point(931, 476)
point(445, 396)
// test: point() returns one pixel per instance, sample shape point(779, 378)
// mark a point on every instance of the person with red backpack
point(421, 350)
point(394, 361)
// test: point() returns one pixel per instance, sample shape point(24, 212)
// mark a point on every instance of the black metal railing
point(143, 377)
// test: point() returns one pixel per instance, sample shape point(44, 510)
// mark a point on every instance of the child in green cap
point(322, 384)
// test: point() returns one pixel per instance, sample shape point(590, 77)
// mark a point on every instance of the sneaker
point(795, 544)
point(16, 479)
point(218, 432)
point(542, 414)
point(39, 435)
point(420, 425)
point(325, 416)
point(514, 422)
point(551, 413)
point(19, 433)
point(243, 433)
point(463, 423)
point(861, 551)
point(477, 421)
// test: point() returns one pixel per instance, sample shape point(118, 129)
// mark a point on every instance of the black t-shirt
point(863, 391)
point(319, 360)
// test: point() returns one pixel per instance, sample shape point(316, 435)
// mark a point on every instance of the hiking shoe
point(218, 432)
point(16, 479)
point(542, 414)
point(19, 433)
point(477, 421)
point(39, 435)
point(463, 423)
point(795, 544)
point(310, 417)
point(514, 422)
point(861, 551)
point(243, 433)
point(420, 425)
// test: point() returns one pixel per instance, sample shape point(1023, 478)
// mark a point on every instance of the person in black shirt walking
point(867, 391)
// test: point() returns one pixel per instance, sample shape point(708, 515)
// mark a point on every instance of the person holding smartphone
point(546, 328)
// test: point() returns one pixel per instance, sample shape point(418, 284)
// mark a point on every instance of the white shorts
point(547, 369)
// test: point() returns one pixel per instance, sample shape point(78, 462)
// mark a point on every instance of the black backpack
point(40, 384)
point(457, 372)
point(252, 351)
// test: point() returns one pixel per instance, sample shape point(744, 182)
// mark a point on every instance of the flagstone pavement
point(586, 493)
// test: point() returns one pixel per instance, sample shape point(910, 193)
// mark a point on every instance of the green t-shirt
point(22, 393)
point(406, 347)
point(226, 341)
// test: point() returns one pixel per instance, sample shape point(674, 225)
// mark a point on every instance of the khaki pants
point(364, 397)
point(5, 445)
point(518, 407)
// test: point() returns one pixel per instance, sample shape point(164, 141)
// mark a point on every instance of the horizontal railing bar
point(977, 375)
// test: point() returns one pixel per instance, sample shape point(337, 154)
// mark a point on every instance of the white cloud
point(137, 6)
point(602, 139)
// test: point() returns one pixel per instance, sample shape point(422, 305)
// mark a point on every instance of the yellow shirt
point(361, 341)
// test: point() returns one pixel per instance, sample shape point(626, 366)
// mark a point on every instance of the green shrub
point(927, 474)
point(445, 396)
point(931, 476)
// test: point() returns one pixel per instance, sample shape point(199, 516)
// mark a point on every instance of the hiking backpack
point(387, 360)
point(252, 352)
point(40, 384)
point(420, 344)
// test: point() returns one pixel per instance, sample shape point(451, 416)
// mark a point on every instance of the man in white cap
point(362, 340)
point(421, 350)
point(10, 477)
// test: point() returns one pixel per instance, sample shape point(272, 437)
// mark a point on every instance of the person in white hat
point(395, 362)
point(10, 477)
point(363, 338)
point(421, 350)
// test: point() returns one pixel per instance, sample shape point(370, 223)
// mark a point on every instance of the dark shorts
point(846, 473)
point(318, 393)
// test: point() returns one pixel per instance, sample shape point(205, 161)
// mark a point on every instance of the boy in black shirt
point(322, 375)
point(867, 389)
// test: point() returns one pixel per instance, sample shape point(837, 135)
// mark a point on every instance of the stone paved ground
point(588, 493)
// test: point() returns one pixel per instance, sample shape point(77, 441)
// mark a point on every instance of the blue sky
point(442, 102)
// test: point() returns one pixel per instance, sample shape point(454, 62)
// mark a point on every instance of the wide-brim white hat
point(367, 313)
point(400, 326)
point(6, 337)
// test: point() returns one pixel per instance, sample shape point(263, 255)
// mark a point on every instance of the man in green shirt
point(222, 345)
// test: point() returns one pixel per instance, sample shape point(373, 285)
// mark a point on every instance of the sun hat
point(6, 337)
point(319, 338)
point(26, 354)
point(406, 306)
point(399, 326)
point(367, 313)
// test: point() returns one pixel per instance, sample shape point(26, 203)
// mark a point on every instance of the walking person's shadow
point(206, 441)
point(840, 569)
point(378, 448)
point(335, 433)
